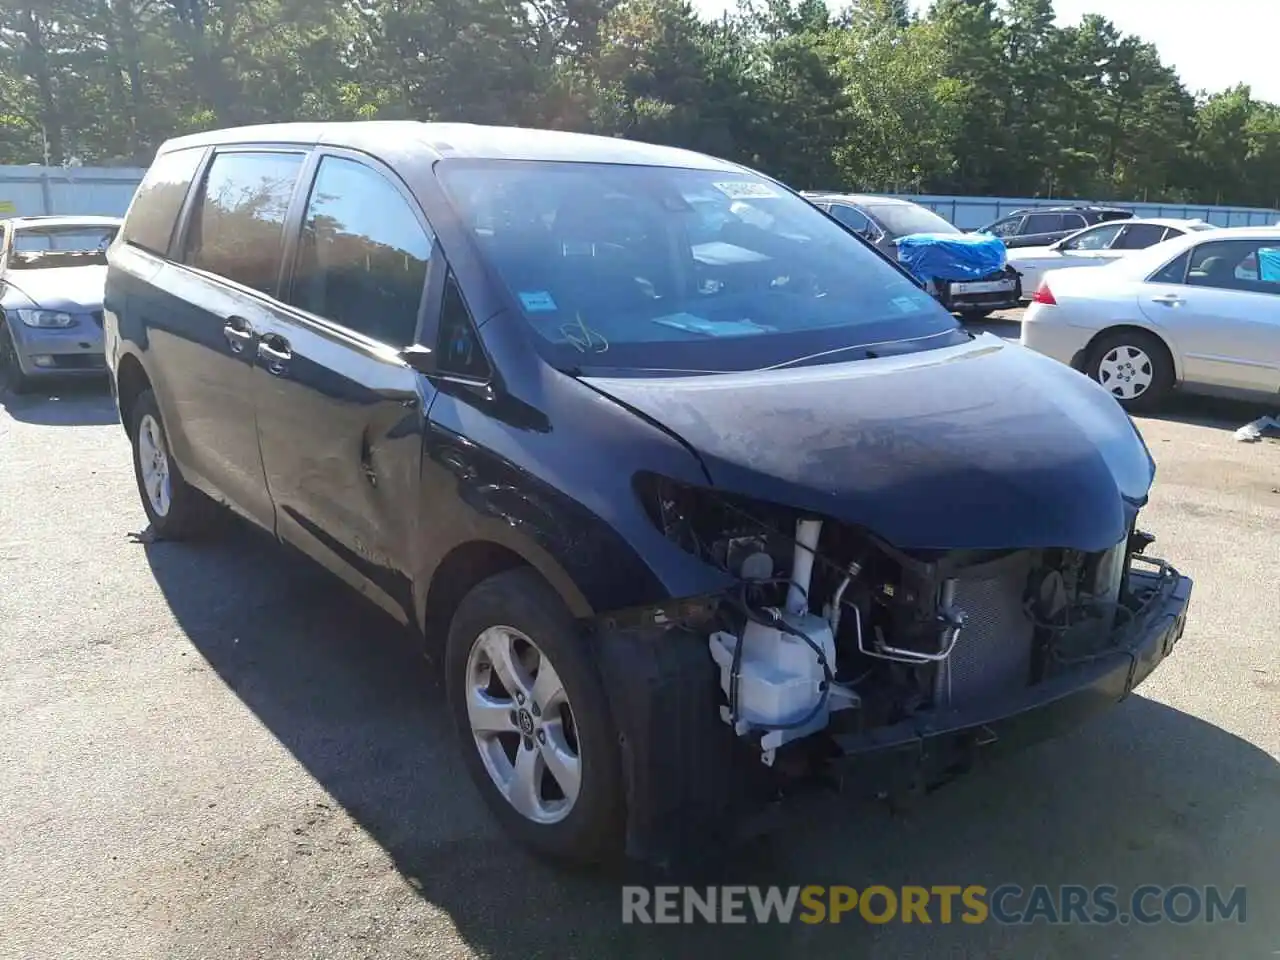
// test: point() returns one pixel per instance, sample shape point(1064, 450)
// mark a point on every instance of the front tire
point(533, 721)
point(1133, 366)
point(11, 374)
point(176, 510)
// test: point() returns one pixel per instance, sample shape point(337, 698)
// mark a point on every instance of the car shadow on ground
point(1146, 794)
point(75, 403)
point(1213, 412)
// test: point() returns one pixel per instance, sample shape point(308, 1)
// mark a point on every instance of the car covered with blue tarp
point(967, 272)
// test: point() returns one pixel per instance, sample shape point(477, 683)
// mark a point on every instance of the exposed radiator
point(992, 655)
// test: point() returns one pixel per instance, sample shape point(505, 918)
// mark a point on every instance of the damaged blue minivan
point(699, 498)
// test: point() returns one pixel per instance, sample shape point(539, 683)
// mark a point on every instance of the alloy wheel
point(523, 725)
point(153, 462)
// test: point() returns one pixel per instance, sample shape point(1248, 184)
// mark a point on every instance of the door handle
point(239, 333)
point(1169, 300)
point(274, 349)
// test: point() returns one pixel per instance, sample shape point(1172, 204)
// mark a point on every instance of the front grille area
point(992, 656)
point(79, 361)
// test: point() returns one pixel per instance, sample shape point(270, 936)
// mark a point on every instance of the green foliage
point(972, 96)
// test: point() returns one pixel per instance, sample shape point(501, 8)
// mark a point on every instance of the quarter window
point(363, 255)
point(459, 350)
point(238, 229)
point(159, 199)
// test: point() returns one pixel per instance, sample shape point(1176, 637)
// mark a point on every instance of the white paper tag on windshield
point(746, 189)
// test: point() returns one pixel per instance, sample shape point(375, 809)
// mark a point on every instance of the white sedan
point(1096, 246)
point(1200, 312)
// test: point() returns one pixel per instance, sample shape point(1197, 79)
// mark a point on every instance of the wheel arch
point(131, 381)
point(1175, 359)
point(471, 562)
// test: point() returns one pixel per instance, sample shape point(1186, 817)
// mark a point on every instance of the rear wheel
point(1133, 366)
point(176, 509)
point(532, 719)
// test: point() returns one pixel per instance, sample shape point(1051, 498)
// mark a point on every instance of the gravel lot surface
point(218, 751)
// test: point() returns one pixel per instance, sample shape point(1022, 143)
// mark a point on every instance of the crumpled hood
point(74, 289)
point(984, 445)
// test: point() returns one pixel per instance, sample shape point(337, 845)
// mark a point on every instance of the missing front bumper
point(931, 747)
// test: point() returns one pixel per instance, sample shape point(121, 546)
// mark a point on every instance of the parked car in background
point(1096, 247)
point(693, 503)
point(1038, 226)
point(1200, 312)
point(52, 271)
point(884, 221)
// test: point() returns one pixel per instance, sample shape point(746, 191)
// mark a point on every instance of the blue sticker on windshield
point(537, 301)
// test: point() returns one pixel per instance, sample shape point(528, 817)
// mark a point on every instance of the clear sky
point(1213, 44)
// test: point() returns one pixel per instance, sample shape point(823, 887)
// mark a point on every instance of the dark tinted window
point(1173, 272)
point(1139, 236)
point(238, 229)
point(159, 199)
point(850, 217)
point(1073, 221)
point(1042, 223)
point(459, 349)
point(362, 260)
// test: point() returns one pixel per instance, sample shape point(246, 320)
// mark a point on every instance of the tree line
point(970, 97)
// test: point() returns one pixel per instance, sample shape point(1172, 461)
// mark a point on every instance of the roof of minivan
point(460, 140)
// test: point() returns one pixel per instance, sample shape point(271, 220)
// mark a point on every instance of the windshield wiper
point(869, 353)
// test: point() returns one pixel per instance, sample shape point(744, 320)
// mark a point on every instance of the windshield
point(60, 246)
point(636, 268)
point(902, 219)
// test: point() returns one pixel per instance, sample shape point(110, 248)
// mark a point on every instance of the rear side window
point(1139, 236)
point(1043, 223)
point(1073, 221)
point(157, 203)
point(238, 227)
point(362, 259)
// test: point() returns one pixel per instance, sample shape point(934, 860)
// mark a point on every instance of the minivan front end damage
point(839, 659)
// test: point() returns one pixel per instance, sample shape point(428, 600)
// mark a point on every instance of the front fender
point(564, 506)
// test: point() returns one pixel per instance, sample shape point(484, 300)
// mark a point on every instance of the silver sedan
point(52, 273)
point(1200, 313)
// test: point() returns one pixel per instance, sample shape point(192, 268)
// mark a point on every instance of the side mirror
point(420, 358)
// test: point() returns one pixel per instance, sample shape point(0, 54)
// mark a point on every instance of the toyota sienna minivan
point(698, 506)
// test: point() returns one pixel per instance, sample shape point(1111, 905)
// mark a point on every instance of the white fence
point(34, 190)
